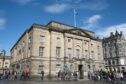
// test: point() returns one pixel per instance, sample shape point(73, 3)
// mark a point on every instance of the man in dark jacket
point(42, 73)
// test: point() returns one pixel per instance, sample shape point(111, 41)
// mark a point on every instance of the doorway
point(80, 70)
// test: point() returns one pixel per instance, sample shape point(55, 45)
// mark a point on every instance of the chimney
point(116, 33)
point(3, 53)
point(111, 34)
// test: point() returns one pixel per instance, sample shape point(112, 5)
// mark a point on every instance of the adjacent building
point(4, 61)
point(57, 46)
point(114, 49)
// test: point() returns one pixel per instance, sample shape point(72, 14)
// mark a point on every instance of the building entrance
point(80, 70)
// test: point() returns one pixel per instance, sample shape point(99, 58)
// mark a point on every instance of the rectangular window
point(58, 67)
point(40, 68)
point(69, 40)
point(57, 51)
point(41, 51)
point(69, 52)
point(42, 39)
point(0, 64)
point(29, 40)
point(92, 53)
point(109, 62)
point(58, 40)
point(78, 53)
point(117, 61)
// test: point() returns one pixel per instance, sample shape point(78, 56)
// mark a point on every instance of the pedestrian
point(15, 74)
point(27, 74)
point(69, 75)
point(42, 73)
point(13, 77)
point(22, 75)
point(75, 75)
point(121, 76)
point(9, 75)
point(59, 75)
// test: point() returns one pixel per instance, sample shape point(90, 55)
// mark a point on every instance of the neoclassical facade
point(57, 46)
point(114, 48)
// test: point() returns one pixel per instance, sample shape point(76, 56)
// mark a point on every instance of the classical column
point(50, 56)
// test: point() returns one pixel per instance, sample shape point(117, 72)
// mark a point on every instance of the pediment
point(79, 32)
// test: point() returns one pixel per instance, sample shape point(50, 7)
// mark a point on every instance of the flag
point(75, 12)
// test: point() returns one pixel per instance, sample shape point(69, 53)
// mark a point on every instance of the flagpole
point(75, 18)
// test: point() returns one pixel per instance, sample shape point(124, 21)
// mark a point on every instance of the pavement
point(47, 82)
point(55, 79)
point(53, 82)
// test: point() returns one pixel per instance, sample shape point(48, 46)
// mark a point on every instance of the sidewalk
point(54, 80)
point(85, 79)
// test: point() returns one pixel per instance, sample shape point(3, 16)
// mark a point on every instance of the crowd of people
point(68, 75)
point(105, 76)
point(13, 75)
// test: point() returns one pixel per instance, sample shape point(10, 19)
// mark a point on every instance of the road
point(50, 82)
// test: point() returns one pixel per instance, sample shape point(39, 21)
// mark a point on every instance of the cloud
point(60, 6)
point(94, 19)
point(22, 2)
point(56, 8)
point(92, 22)
point(105, 32)
point(2, 23)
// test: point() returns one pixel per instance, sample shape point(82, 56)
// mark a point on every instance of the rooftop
point(53, 25)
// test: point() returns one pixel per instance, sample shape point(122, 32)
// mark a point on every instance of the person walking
point(27, 74)
point(42, 73)
point(121, 77)
point(59, 75)
point(75, 75)
point(15, 74)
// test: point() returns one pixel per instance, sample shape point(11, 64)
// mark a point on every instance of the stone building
point(4, 61)
point(57, 46)
point(114, 49)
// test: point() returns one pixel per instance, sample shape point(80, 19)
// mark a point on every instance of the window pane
point(41, 51)
point(69, 52)
point(57, 51)
point(78, 53)
point(58, 67)
point(40, 68)
point(42, 39)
